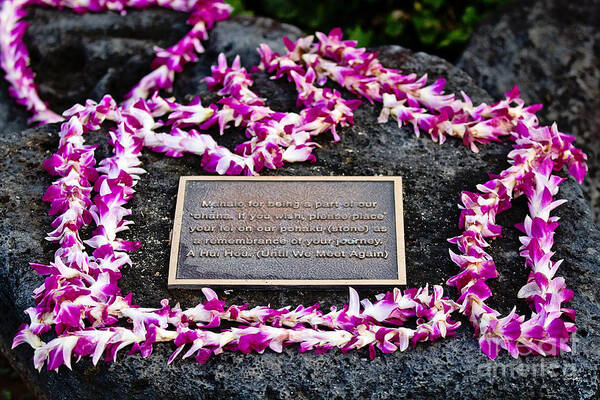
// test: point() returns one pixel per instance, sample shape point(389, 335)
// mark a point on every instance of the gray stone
point(13, 118)
point(551, 49)
point(433, 177)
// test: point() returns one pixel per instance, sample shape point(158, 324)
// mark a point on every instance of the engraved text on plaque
point(288, 231)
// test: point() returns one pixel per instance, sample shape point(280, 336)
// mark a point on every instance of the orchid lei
point(80, 297)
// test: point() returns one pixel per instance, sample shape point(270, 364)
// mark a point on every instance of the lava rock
point(551, 49)
point(433, 177)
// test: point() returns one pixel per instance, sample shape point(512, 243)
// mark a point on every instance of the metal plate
point(305, 231)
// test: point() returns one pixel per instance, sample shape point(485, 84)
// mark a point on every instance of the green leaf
point(361, 36)
point(394, 26)
point(238, 7)
point(471, 17)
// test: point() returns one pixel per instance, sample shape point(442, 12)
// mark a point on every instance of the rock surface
point(551, 49)
point(433, 177)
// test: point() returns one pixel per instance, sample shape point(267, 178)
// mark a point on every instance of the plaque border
point(175, 283)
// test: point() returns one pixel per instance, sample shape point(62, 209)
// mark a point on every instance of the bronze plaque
point(308, 231)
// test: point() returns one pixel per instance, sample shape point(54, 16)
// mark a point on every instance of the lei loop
point(80, 299)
